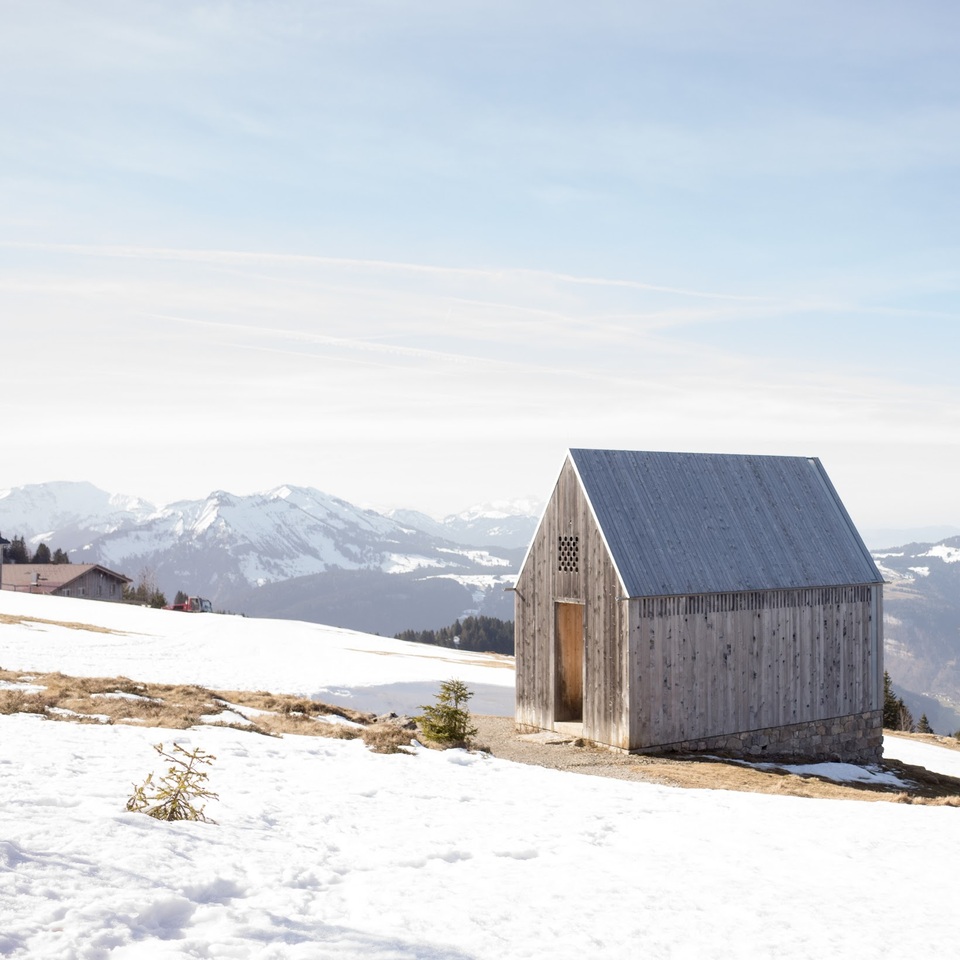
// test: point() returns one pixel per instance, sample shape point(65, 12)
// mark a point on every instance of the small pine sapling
point(447, 722)
point(175, 795)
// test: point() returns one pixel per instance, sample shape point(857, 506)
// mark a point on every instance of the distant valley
point(922, 627)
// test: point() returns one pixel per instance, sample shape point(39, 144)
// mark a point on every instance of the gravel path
point(498, 735)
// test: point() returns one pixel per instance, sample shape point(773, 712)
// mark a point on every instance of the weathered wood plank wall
point(94, 584)
point(724, 663)
point(569, 562)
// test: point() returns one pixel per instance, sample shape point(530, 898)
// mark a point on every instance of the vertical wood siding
point(549, 577)
point(93, 585)
point(662, 670)
point(708, 665)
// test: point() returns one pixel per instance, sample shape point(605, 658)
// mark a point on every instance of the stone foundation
point(854, 739)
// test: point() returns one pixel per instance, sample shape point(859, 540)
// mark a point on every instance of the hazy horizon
point(411, 255)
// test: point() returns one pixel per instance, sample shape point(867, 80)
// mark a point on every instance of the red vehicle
point(193, 605)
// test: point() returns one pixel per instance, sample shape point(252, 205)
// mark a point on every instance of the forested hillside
point(481, 634)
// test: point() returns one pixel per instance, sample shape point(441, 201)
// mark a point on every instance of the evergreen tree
point(890, 706)
point(480, 634)
point(924, 725)
point(146, 592)
point(447, 722)
point(41, 554)
point(181, 597)
point(17, 551)
point(175, 795)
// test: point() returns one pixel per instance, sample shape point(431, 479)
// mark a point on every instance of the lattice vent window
point(568, 554)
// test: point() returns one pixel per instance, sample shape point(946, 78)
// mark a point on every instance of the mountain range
point(297, 553)
point(291, 552)
point(921, 613)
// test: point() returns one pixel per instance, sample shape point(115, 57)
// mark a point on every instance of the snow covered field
point(326, 850)
point(236, 653)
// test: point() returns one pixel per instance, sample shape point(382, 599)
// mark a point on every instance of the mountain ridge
point(227, 546)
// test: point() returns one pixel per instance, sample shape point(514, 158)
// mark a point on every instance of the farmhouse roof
point(53, 576)
point(682, 523)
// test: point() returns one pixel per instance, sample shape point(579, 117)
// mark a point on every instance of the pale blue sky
point(410, 252)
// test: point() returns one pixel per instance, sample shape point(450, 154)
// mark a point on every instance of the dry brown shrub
point(387, 738)
point(299, 706)
point(11, 701)
point(340, 731)
point(184, 693)
point(277, 725)
point(304, 726)
point(23, 701)
point(295, 723)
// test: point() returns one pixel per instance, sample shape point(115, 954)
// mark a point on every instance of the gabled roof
point(53, 576)
point(682, 523)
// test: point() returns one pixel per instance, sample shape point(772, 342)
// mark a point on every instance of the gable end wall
point(596, 586)
point(93, 585)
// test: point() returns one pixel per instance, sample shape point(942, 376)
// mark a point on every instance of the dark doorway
point(568, 698)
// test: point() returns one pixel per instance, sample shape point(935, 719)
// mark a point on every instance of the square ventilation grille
point(568, 554)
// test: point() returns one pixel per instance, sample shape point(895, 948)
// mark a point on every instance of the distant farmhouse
point(701, 602)
point(88, 580)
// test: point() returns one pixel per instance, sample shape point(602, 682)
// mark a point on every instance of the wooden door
point(568, 660)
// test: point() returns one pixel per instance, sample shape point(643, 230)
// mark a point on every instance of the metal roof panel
point(681, 523)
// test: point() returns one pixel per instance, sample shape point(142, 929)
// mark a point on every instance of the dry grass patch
point(277, 724)
point(69, 624)
point(179, 706)
point(173, 706)
point(23, 701)
point(290, 705)
point(387, 738)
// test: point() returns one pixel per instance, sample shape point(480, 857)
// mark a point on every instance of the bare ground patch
point(714, 773)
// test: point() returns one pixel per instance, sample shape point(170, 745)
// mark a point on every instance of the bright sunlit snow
point(838, 772)
point(239, 653)
point(921, 754)
point(325, 850)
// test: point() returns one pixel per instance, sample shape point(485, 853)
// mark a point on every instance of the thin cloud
point(234, 256)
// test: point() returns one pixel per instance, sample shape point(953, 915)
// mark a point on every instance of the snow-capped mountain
point(227, 547)
point(921, 608)
point(73, 512)
point(508, 523)
point(283, 533)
